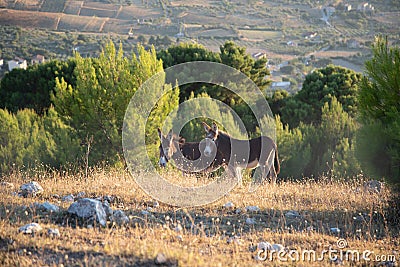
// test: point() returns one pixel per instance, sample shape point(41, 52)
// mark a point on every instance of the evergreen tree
point(379, 108)
point(97, 104)
point(318, 88)
point(31, 88)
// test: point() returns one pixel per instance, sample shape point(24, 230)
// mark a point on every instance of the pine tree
point(379, 108)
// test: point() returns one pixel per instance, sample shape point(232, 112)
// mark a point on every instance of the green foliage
point(96, 105)
point(237, 57)
point(27, 139)
point(318, 88)
point(379, 109)
point(31, 88)
point(230, 54)
point(327, 148)
point(202, 108)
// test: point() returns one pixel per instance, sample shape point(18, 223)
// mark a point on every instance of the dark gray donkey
point(239, 154)
point(187, 155)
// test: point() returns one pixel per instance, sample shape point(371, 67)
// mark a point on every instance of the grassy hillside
point(297, 215)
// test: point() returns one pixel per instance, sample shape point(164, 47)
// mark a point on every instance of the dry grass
point(203, 241)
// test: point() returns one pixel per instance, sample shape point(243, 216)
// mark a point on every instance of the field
point(301, 216)
point(259, 25)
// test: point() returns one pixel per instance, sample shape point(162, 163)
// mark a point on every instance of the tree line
point(341, 123)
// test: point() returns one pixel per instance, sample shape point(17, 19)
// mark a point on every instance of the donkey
point(239, 154)
point(187, 155)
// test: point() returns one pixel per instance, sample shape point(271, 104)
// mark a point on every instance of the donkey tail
point(276, 161)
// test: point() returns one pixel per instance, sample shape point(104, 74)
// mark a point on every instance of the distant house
point(365, 7)
point(259, 55)
point(38, 59)
point(17, 63)
point(291, 43)
point(280, 86)
point(309, 35)
point(347, 7)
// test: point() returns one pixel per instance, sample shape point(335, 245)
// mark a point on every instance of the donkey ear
point(207, 128)
point(215, 127)
point(170, 134)
point(159, 133)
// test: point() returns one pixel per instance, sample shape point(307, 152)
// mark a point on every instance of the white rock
point(46, 206)
point(277, 247)
point(161, 259)
point(178, 228)
point(119, 217)
point(250, 221)
point(53, 232)
point(234, 239)
point(229, 205)
point(266, 246)
point(88, 208)
point(335, 230)
point(30, 228)
point(68, 198)
point(252, 209)
point(31, 189)
point(292, 214)
point(107, 209)
point(81, 195)
point(145, 212)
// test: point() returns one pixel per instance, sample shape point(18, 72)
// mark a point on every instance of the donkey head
point(211, 139)
point(166, 147)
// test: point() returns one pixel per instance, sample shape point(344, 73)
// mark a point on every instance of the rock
point(277, 247)
point(80, 195)
point(68, 198)
point(107, 209)
point(46, 206)
point(252, 209)
point(229, 205)
point(30, 228)
point(156, 204)
point(31, 189)
point(337, 261)
point(119, 217)
point(387, 263)
point(145, 212)
point(250, 221)
point(87, 208)
point(234, 239)
point(161, 259)
point(266, 246)
point(178, 228)
point(53, 232)
point(373, 186)
point(292, 214)
point(335, 230)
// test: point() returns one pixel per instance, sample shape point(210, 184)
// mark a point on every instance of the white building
point(281, 86)
point(17, 63)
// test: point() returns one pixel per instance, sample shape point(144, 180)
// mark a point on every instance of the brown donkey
point(186, 155)
point(239, 154)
